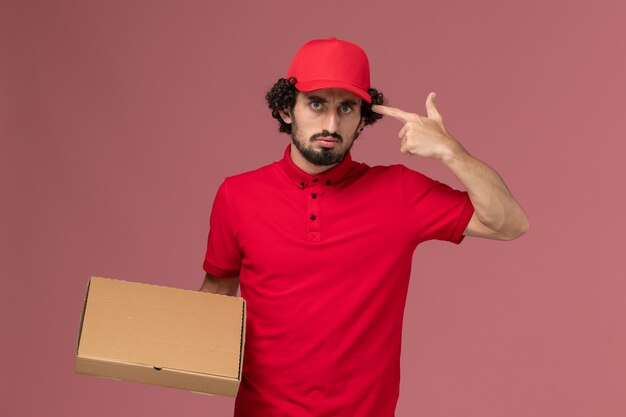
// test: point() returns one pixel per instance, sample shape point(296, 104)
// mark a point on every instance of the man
point(322, 245)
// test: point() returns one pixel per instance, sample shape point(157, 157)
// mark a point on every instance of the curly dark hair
point(283, 95)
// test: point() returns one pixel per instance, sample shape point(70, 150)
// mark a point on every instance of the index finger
point(392, 111)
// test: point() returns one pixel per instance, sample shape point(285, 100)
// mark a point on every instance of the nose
point(330, 122)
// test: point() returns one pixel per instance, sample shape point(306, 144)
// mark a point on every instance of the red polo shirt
point(324, 264)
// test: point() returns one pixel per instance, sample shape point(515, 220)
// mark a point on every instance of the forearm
point(493, 203)
point(216, 285)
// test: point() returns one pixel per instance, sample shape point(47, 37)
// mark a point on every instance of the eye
point(316, 105)
point(346, 109)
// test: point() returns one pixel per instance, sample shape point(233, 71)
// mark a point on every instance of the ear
point(285, 115)
point(361, 124)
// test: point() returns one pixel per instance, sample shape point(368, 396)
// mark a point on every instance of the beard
point(323, 156)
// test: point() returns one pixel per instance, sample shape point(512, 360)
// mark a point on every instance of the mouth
point(327, 142)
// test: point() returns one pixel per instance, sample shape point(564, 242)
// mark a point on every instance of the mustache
point(326, 134)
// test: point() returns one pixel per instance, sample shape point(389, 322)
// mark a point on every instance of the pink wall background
point(119, 119)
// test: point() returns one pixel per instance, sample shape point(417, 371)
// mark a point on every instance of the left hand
point(422, 136)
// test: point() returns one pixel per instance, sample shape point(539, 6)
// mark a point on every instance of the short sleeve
point(222, 258)
point(435, 210)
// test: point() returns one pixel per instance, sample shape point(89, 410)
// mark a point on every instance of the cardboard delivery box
point(162, 336)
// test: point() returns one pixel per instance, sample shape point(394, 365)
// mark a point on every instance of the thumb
point(431, 109)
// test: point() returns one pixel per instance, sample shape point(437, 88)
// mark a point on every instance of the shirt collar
point(303, 179)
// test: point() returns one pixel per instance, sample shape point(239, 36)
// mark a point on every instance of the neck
point(305, 165)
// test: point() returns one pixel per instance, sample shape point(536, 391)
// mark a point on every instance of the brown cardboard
point(162, 336)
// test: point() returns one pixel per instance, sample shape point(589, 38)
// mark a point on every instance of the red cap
point(331, 63)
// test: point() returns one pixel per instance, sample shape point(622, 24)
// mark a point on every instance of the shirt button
point(314, 195)
point(327, 182)
point(314, 179)
point(301, 185)
point(313, 217)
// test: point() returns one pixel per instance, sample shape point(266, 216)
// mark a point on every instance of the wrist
point(454, 152)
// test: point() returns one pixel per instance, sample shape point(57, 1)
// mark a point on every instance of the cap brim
point(307, 86)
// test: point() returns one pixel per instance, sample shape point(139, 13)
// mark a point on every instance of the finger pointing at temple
point(393, 112)
point(403, 116)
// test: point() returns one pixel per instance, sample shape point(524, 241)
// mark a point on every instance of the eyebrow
point(323, 100)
